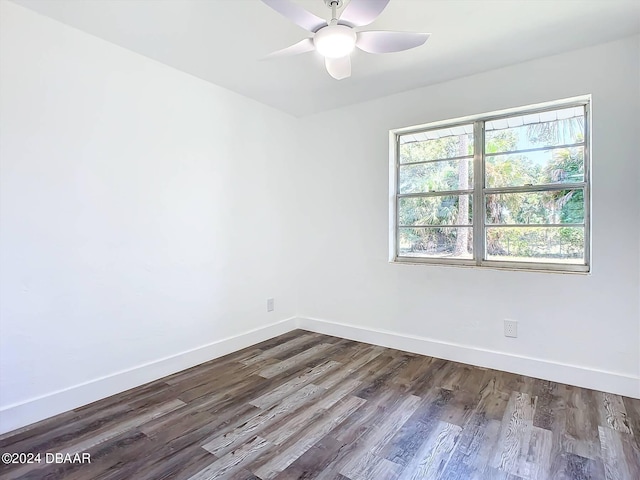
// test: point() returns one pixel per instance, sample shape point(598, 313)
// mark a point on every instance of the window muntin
point(529, 177)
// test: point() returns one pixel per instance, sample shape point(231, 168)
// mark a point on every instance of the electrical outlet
point(270, 305)
point(511, 328)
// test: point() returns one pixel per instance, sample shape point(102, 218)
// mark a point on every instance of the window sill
point(534, 267)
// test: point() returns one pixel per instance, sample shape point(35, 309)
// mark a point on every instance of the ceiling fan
point(336, 39)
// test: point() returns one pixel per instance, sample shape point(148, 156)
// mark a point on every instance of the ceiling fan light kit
point(335, 41)
point(337, 38)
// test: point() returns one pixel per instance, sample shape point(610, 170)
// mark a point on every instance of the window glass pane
point(560, 165)
point(436, 176)
point(521, 153)
point(439, 210)
point(437, 144)
point(536, 244)
point(557, 127)
point(452, 242)
point(552, 207)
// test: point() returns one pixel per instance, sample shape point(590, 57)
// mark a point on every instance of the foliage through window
point(508, 190)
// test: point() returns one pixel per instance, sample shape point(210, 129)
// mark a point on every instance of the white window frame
point(479, 190)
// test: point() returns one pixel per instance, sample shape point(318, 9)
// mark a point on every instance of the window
point(509, 189)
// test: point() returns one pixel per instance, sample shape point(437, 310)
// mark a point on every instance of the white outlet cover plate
point(511, 328)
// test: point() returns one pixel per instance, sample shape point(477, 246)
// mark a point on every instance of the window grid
point(479, 191)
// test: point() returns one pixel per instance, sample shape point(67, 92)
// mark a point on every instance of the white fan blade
point(388, 42)
point(296, 14)
point(338, 68)
point(303, 46)
point(362, 12)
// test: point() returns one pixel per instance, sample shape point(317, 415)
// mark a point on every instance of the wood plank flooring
point(311, 406)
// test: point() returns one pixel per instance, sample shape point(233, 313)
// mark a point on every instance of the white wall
point(574, 328)
point(144, 213)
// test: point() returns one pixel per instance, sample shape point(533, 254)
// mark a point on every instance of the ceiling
point(222, 41)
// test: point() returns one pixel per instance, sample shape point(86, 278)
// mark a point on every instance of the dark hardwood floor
point(310, 406)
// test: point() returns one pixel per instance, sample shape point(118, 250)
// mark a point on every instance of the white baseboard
point(33, 410)
point(605, 381)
